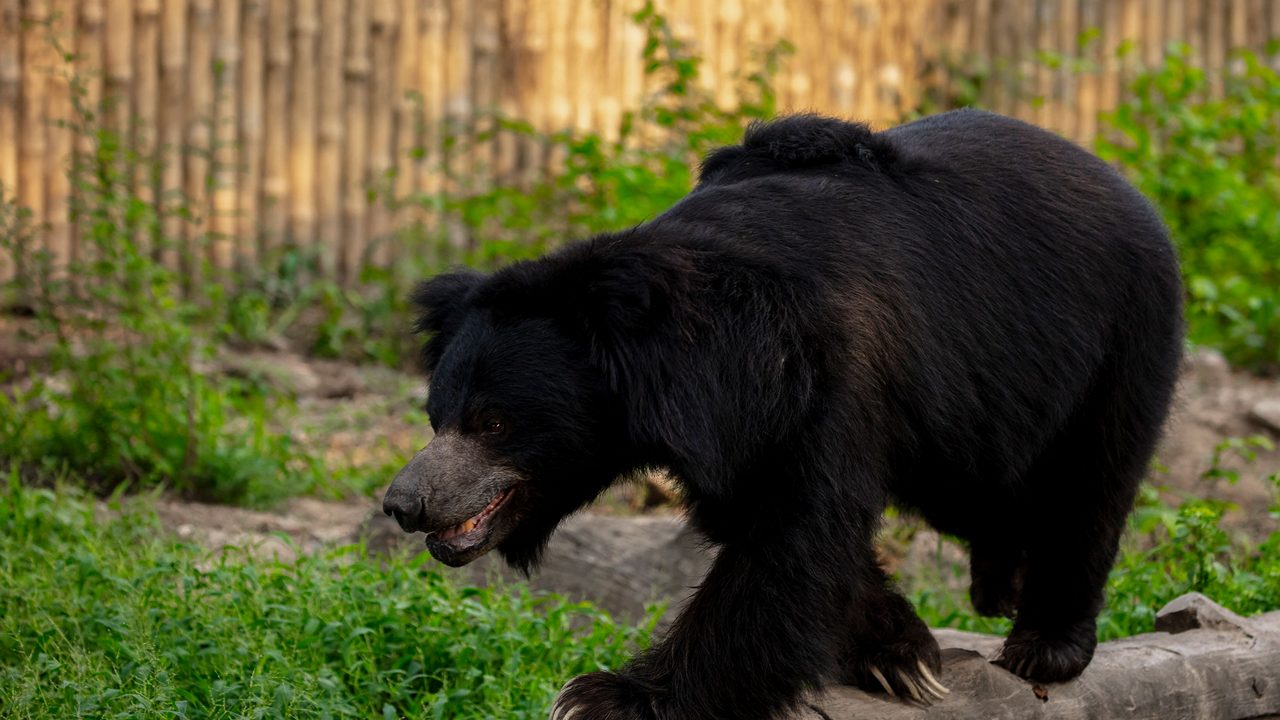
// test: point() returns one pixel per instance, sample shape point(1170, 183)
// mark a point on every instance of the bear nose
point(406, 509)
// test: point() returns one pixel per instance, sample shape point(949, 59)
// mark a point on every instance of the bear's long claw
point(931, 682)
point(911, 686)
point(879, 676)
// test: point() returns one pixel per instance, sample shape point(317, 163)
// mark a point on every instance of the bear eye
point(493, 427)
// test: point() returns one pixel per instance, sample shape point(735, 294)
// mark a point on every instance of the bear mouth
point(459, 544)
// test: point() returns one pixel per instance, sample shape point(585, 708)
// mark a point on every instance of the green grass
point(102, 614)
point(105, 617)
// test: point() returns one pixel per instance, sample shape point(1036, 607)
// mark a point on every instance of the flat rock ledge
point(1203, 663)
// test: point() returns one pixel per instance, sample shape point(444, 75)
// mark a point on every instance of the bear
point(965, 316)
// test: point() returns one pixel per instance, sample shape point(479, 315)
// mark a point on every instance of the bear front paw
point(602, 696)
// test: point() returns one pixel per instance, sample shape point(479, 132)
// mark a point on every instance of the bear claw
point(923, 688)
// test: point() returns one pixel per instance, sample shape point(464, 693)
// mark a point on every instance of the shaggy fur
point(964, 316)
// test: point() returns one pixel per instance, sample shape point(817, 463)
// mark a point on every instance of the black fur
point(965, 316)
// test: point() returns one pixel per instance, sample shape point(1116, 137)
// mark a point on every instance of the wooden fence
point(306, 103)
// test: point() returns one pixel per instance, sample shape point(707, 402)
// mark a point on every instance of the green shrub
point(1208, 162)
point(120, 397)
point(106, 618)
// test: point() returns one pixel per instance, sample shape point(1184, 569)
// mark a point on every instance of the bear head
point(526, 398)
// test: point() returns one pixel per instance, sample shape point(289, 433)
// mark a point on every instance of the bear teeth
point(470, 524)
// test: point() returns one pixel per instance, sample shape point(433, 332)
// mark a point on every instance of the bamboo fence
point(278, 118)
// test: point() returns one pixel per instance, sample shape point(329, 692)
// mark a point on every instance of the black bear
point(965, 316)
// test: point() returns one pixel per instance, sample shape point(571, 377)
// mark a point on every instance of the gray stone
point(622, 564)
point(1266, 413)
point(1194, 611)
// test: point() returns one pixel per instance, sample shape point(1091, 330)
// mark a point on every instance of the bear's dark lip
point(456, 541)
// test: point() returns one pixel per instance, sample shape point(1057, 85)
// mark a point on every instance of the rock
point(1194, 611)
point(1200, 674)
point(621, 564)
point(1207, 368)
point(1266, 413)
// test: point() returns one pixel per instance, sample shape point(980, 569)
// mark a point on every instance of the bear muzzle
point(453, 491)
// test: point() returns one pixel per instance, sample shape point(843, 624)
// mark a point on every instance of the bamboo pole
point(333, 41)
point(1112, 36)
point(586, 63)
point(728, 42)
point(146, 63)
point(1065, 104)
point(633, 84)
point(778, 20)
point(1257, 25)
point(531, 76)
point(485, 43)
point(1273, 26)
point(226, 150)
point(60, 138)
point(865, 62)
point(1047, 20)
point(250, 121)
point(704, 18)
point(845, 78)
point(1088, 97)
point(1238, 30)
point(380, 153)
point(356, 96)
point(10, 95)
point(118, 66)
point(34, 124)
point(511, 35)
point(958, 49)
point(196, 176)
point(458, 109)
point(1196, 25)
point(276, 133)
point(1131, 35)
point(891, 74)
point(302, 126)
point(172, 114)
point(408, 120)
point(88, 69)
point(1215, 44)
point(435, 20)
point(558, 110)
point(1175, 18)
point(1154, 29)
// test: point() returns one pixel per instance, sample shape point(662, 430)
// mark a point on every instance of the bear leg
point(1080, 493)
point(996, 571)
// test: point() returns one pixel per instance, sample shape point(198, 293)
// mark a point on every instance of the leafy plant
point(1208, 163)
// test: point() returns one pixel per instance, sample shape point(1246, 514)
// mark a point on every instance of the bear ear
point(623, 299)
point(441, 303)
point(630, 293)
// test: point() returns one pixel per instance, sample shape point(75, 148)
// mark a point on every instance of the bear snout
point(447, 482)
